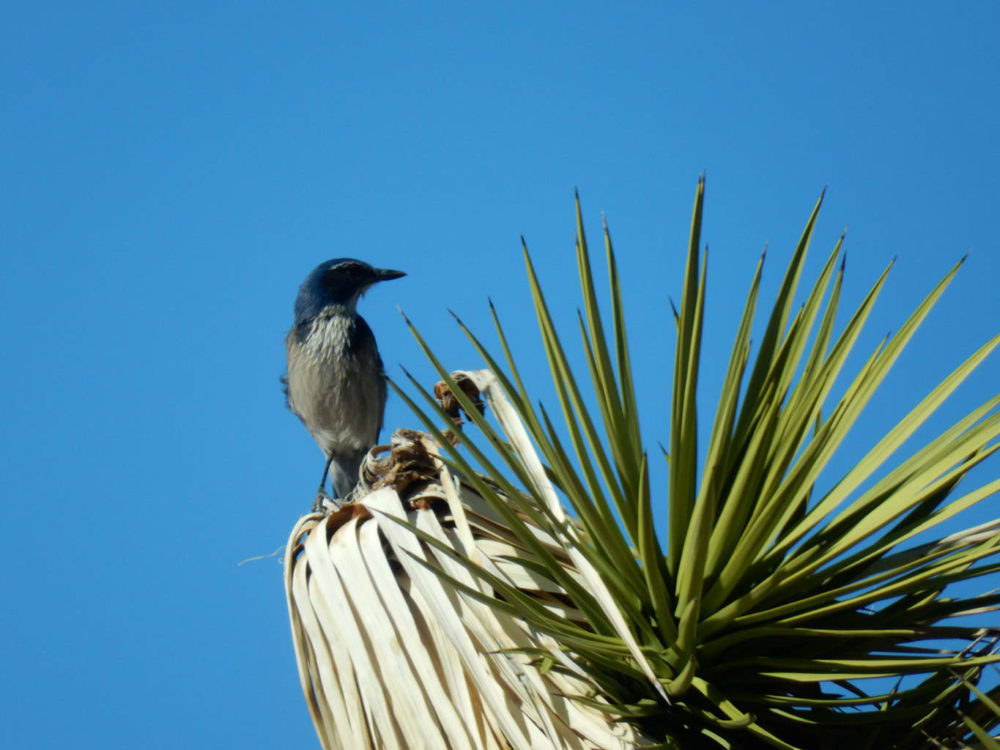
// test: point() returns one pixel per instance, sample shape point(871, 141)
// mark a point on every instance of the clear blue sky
point(171, 171)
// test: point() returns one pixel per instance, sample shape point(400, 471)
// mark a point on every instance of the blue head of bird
point(340, 281)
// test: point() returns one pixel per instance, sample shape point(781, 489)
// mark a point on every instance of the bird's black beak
point(387, 274)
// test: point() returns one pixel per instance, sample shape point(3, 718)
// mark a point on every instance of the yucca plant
point(760, 620)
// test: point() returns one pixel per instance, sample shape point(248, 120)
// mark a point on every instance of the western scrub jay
point(334, 382)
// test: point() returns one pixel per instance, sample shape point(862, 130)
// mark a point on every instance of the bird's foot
point(324, 503)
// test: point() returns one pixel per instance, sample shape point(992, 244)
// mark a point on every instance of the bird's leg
point(321, 496)
point(326, 473)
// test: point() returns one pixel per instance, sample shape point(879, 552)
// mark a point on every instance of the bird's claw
point(324, 503)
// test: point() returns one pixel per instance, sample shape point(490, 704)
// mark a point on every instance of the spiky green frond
point(758, 617)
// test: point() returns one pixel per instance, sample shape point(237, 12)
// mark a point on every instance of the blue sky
point(171, 171)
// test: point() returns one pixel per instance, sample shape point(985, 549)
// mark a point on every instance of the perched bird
point(334, 382)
